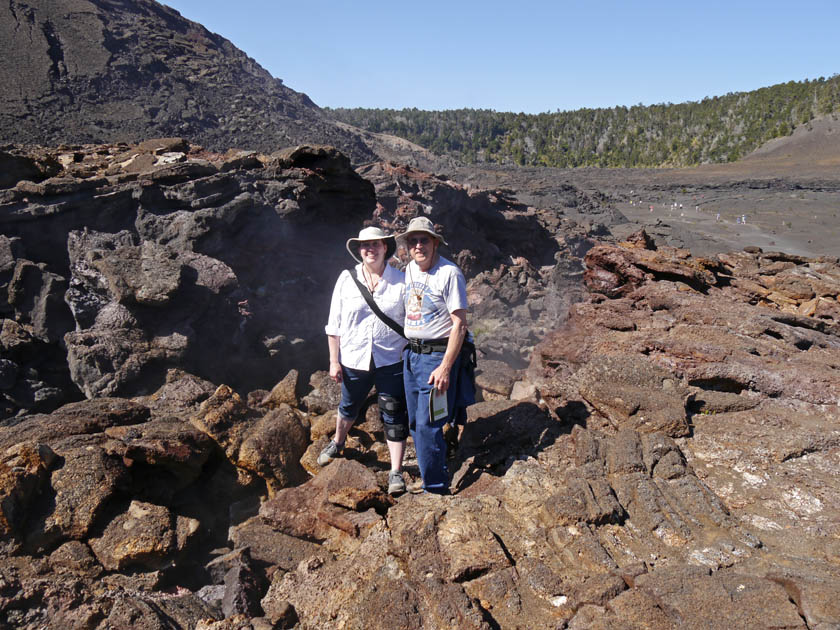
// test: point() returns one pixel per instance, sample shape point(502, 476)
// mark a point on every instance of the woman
point(365, 351)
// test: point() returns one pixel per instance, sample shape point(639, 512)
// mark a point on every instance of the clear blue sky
point(527, 56)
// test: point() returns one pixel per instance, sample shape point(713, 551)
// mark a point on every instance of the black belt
point(427, 346)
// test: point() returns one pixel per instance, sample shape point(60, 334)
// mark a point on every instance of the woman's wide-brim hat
point(421, 224)
point(372, 234)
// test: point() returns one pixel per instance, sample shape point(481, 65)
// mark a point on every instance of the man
point(435, 325)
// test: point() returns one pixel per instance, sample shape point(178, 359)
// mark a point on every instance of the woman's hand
point(334, 342)
point(335, 371)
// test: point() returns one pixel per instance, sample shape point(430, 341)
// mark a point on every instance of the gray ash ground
point(802, 222)
point(788, 190)
point(795, 212)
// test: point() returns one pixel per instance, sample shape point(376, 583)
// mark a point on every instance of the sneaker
point(396, 484)
point(330, 452)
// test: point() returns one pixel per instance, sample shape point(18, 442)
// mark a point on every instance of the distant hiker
point(744, 218)
point(364, 348)
point(717, 218)
point(435, 361)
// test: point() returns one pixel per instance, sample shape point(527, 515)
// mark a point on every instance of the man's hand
point(440, 375)
point(439, 378)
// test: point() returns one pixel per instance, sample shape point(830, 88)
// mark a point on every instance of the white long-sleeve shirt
point(361, 332)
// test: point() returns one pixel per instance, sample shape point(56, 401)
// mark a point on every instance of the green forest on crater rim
point(715, 130)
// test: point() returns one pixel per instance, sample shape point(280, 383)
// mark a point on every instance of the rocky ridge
point(102, 71)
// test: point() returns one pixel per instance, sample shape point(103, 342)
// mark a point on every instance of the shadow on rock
point(497, 434)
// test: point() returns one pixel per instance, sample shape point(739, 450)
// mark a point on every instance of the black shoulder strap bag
point(377, 311)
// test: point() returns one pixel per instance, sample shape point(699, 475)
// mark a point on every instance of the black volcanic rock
point(134, 259)
point(109, 71)
point(109, 281)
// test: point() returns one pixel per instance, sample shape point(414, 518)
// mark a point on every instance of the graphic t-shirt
point(431, 297)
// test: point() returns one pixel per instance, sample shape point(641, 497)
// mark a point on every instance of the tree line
point(716, 129)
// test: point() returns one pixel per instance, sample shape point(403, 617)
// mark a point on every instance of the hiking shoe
point(330, 452)
point(396, 484)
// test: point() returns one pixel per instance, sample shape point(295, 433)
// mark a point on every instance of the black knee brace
point(395, 408)
point(396, 432)
point(391, 404)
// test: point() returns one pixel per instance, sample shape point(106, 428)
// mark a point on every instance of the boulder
point(284, 393)
point(343, 501)
point(145, 536)
point(268, 447)
point(165, 455)
point(244, 588)
point(325, 394)
point(270, 547)
point(24, 473)
point(494, 380)
point(225, 418)
point(80, 490)
point(76, 557)
point(273, 447)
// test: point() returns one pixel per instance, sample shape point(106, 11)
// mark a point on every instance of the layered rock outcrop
point(130, 260)
point(676, 472)
point(119, 262)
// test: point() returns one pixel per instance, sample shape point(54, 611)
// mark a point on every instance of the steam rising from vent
point(514, 307)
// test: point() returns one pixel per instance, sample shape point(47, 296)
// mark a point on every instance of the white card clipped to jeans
point(438, 409)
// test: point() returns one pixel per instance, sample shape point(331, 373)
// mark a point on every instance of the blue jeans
point(356, 385)
point(428, 435)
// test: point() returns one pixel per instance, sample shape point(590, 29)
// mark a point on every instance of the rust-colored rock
point(342, 500)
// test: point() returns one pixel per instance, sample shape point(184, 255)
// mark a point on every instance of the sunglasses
point(418, 240)
point(370, 244)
